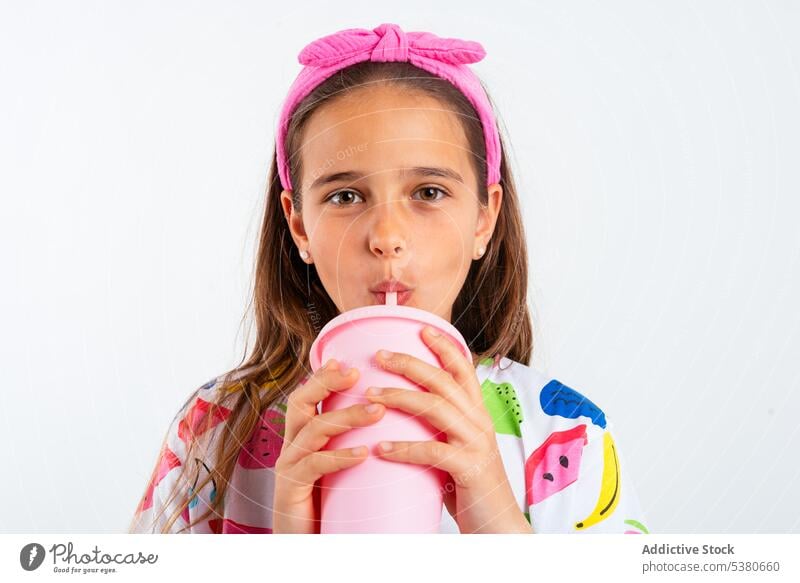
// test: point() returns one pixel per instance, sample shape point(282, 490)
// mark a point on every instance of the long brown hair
point(290, 304)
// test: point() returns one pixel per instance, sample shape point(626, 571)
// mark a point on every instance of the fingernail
point(344, 369)
point(374, 391)
point(373, 408)
point(384, 354)
point(433, 331)
point(331, 364)
point(385, 446)
point(361, 449)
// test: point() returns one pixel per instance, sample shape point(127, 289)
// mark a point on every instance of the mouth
point(391, 284)
point(402, 296)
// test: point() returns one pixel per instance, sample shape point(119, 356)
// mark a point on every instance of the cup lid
point(384, 311)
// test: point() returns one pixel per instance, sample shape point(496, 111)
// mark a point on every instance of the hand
point(477, 494)
point(300, 464)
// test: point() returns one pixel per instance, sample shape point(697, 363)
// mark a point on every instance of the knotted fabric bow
point(445, 57)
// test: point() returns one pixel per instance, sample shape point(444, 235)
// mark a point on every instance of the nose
point(389, 232)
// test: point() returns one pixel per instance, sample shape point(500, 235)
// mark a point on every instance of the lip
point(389, 285)
point(402, 297)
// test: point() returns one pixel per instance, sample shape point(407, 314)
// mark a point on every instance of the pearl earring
point(481, 251)
point(304, 254)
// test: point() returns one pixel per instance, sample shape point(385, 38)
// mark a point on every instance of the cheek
point(446, 264)
point(333, 243)
point(453, 241)
point(327, 232)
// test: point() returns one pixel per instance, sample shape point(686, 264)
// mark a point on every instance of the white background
point(655, 146)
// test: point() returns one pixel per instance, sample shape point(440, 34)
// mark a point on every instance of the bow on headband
point(389, 43)
point(444, 57)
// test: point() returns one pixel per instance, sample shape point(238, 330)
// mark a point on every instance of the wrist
point(499, 512)
point(510, 520)
point(517, 524)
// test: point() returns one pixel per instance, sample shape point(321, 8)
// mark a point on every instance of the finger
point(301, 405)
point(435, 379)
point(316, 433)
point(314, 466)
point(433, 408)
point(449, 496)
point(434, 453)
point(453, 360)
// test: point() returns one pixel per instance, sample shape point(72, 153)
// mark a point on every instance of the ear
point(294, 220)
point(487, 216)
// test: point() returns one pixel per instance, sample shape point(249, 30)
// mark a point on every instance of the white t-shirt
point(558, 449)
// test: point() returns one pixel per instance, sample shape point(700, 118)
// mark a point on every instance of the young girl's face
point(388, 191)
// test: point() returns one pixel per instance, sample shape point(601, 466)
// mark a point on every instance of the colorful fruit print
point(555, 464)
point(557, 399)
point(194, 423)
point(640, 528)
point(503, 406)
point(609, 486)
point(228, 526)
point(551, 473)
point(166, 461)
point(491, 361)
point(194, 500)
point(265, 444)
point(208, 385)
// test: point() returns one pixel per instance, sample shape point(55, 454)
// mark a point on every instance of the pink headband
point(444, 57)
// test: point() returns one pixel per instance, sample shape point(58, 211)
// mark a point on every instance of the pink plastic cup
point(379, 495)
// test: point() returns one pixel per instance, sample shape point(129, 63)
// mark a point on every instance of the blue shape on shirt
point(193, 501)
point(208, 385)
point(558, 399)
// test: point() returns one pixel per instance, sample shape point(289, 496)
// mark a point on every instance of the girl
point(389, 169)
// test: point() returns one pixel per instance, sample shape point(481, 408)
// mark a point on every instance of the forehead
point(378, 129)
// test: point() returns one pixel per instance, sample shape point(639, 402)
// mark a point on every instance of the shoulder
point(194, 427)
point(539, 394)
point(202, 411)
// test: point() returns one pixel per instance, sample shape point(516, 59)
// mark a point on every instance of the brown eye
point(340, 194)
point(427, 190)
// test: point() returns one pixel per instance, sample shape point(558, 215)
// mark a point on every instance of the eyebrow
point(352, 175)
